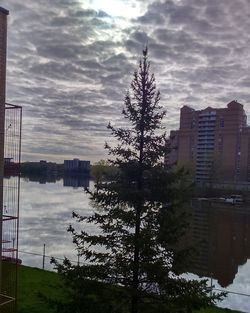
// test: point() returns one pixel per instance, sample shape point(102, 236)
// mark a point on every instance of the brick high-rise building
point(215, 143)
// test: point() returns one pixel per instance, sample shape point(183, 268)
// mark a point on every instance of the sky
point(70, 63)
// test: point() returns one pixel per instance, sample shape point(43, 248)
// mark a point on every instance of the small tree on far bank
point(140, 216)
point(102, 171)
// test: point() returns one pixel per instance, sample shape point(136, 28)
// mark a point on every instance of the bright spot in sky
point(117, 8)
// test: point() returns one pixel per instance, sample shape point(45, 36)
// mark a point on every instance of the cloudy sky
point(70, 63)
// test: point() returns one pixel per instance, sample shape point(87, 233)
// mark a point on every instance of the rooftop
point(4, 11)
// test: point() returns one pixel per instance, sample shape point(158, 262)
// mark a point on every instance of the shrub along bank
point(35, 283)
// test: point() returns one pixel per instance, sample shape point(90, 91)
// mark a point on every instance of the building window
point(221, 123)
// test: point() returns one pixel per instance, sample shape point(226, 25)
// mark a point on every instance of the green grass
point(33, 281)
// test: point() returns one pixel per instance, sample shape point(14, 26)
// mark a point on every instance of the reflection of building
point(222, 234)
point(77, 166)
point(75, 181)
point(10, 133)
point(215, 143)
point(76, 173)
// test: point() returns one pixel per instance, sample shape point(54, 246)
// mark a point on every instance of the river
point(221, 231)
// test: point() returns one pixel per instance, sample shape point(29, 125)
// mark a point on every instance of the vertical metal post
point(211, 286)
point(13, 249)
point(18, 198)
point(43, 256)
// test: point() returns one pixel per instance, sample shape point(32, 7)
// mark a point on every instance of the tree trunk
point(136, 261)
point(134, 300)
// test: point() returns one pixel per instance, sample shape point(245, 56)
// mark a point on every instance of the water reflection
point(75, 181)
point(220, 231)
point(45, 214)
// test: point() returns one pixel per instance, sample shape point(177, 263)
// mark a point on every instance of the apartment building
point(77, 165)
point(214, 143)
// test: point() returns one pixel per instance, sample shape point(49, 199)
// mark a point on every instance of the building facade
point(213, 143)
point(77, 166)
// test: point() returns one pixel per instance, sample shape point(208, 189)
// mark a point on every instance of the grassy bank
point(32, 282)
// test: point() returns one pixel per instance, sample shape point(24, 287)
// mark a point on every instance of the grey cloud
point(151, 18)
point(133, 46)
point(71, 66)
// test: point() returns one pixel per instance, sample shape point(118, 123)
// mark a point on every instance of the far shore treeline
point(45, 171)
point(97, 171)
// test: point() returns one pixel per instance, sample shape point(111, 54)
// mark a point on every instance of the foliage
point(41, 171)
point(102, 170)
point(33, 282)
point(88, 296)
point(141, 215)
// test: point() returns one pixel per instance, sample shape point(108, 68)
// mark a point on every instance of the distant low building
point(7, 160)
point(11, 168)
point(77, 166)
point(214, 143)
point(43, 162)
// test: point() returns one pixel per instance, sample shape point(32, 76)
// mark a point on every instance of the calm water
point(222, 233)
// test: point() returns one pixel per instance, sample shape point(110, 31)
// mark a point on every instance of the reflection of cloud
point(241, 285)
point(70, 65)
point(45, 214)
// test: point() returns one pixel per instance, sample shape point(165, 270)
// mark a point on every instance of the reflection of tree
point(42, 171)
point(223, 233)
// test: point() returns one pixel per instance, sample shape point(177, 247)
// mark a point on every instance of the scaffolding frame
point(9, 218)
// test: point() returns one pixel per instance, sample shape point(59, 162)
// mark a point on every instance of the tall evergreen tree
point(139, 214)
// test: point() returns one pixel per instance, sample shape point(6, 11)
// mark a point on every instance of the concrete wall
point(3, 44)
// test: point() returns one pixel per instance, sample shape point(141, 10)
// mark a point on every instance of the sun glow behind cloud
point(119, 14)
point(117, 8)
